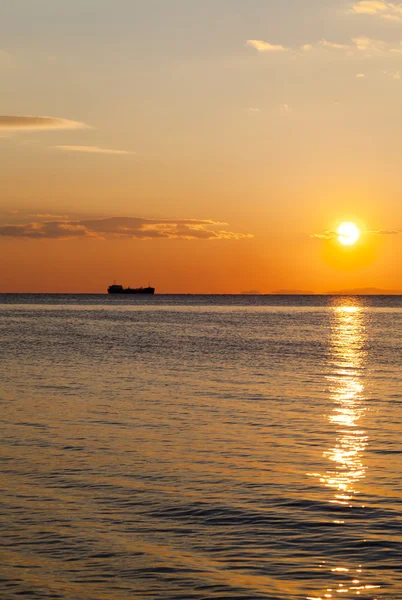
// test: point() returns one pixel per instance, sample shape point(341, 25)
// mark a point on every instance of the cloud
point(47, 216)
point(262, 46)
point(14, 215)
point(123, 227)
point(385, 232)
point(384, 10)
point(369, 7)
point(360, 76)
point(92, 150)
point(365, 44)
point(391, 17)
point(331, 235)
point(30, 123)
point(334, 45)
point(327, 235)
point(360, 47)
point(49, 230)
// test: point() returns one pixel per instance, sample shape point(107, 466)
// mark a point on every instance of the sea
point(200, 447)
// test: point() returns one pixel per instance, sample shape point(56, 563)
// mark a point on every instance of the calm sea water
point(201, 447)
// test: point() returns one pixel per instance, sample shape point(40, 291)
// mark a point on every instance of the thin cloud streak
point(333, 45)
point(32, 123)
point(92, 150)
point(123, 227)
point(47, 216)
point(395, 75)
point(360, 47)
point(331, 235)
point(385, 232)
point(262, 46)
point(327, 235)
point(384, 10)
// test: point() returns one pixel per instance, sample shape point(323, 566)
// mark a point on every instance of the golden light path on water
point(346, 457)
point(347, 392)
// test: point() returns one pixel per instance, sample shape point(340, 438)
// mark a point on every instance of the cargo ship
point(119, 289)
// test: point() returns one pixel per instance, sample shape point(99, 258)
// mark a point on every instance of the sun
point(348, 234)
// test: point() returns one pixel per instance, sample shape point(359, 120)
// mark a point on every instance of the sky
point(201, 146)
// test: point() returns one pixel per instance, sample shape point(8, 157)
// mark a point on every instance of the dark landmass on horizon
point(342, 292)
point(370, 291)
point(365, 292)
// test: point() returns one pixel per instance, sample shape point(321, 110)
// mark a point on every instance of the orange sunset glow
point(204, 160)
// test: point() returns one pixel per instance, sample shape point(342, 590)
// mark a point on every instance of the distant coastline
point(365, 292)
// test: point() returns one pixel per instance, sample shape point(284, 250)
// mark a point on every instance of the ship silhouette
point(119, 289)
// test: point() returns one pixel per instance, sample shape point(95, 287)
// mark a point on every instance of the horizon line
point(339, 294)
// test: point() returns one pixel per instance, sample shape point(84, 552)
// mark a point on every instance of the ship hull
point(129, 291)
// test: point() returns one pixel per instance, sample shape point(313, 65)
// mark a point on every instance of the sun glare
point(348, 234)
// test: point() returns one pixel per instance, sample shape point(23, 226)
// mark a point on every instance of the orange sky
point(201, 147)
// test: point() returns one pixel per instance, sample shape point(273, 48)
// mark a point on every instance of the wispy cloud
point(262, 46)
point(386, 232)
point(331, 235)
point(333, 45)
point(123, 227)
point(32, 123)
point(47, 216)
point(92, 150)
point(48, 230)
point(253, 111)
point(368, 45)
point(359, 47)
point(393, 74)
point(326, 235)
point(389, 11)
point(13, 216)
point(363, 46)
point(369, 7)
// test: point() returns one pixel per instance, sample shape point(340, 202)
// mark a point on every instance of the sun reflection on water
point(347, 392)
point(347, 468)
